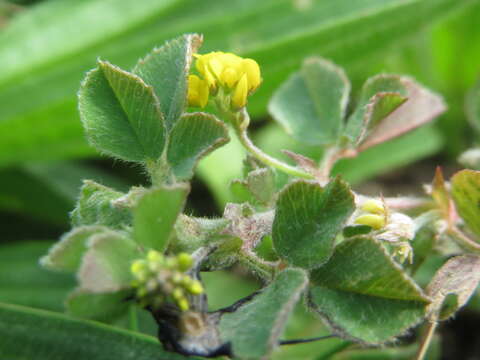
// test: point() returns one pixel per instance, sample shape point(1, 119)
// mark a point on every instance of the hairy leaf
point(254, 328)
point(67, 253)
point(121, 114)
point(166, 70)
point(364, 295)
point(466, 194)
point(192, 137)
point(307, 220)
point(459, 277)
point(311, 104)
point(155, 215)
point(105, 267)
point(95, 207)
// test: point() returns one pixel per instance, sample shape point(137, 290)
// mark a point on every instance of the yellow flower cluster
point(376, 214)
point(158, 278)
point(236, 76)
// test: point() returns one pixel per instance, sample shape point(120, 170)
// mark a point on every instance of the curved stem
point(240, 124)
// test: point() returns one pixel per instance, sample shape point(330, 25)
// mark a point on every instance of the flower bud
point(374, 206)
point(185, 261)
point(374, 221)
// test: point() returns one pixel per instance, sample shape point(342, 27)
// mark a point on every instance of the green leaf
point(364, 295)
point(193, 137)
point(192, 233)
point(45, 335)
point(96, 207)
point(105, 267)
point(104, 307)
point(308, 219)
point(311, 104)
point(67, 253)
point(385, 92)
point(466, 194)
point(472, 106)
point(390, 116)
point(254, 328)
point(38, 89)
point(459, 277)
point(121, 114)
point(23, 281)
point(258, 187)
point(155, 215)
point(166, 69)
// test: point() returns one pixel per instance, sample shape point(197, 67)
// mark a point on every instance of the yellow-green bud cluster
point(159, 278)
point(375, 214)
point(236, 77)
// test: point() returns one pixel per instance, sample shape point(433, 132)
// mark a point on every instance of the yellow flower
point(374, 206)
point(374, 221)
point(197, 91)
point(239, 98)
point(238, 77)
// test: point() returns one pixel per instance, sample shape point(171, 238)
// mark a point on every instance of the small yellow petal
point(203, 92)
point(198, 91)
point(215, 66)
point(252, 70)
point(374, 207)
point(375, 221)
point(239, 98)
point(229, 77)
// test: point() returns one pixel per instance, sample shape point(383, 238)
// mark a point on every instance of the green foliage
point(364, 295)
point(307, 220)
point(166, 70)
point(466, 193)
point(48, 335)
point(255, 327)
point(155, 215)
point(95, 207)
point(121, 114)
point(192, 137)
point(301, 107)
point(350, 274)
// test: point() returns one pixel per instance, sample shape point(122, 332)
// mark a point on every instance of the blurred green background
point(47, 46)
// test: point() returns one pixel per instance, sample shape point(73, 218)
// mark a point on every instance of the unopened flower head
point(223, 73)
point(159, 278)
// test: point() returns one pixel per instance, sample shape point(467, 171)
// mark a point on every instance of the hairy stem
point(240, 124)
point(426, 340)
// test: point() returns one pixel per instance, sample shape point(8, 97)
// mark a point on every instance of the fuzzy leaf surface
point(192, 137)
point(95, 207)
point(398, 116)
point(311, 104)
point(254, 328)
point(46, 335)
point(105, 266)
point(364, 295)
point(459, 276)
point(381, 92)
point(121, 114)
point(466, 194)
point(166, 69)
point(155, 215)
point(67, 253)
point(307, 220)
